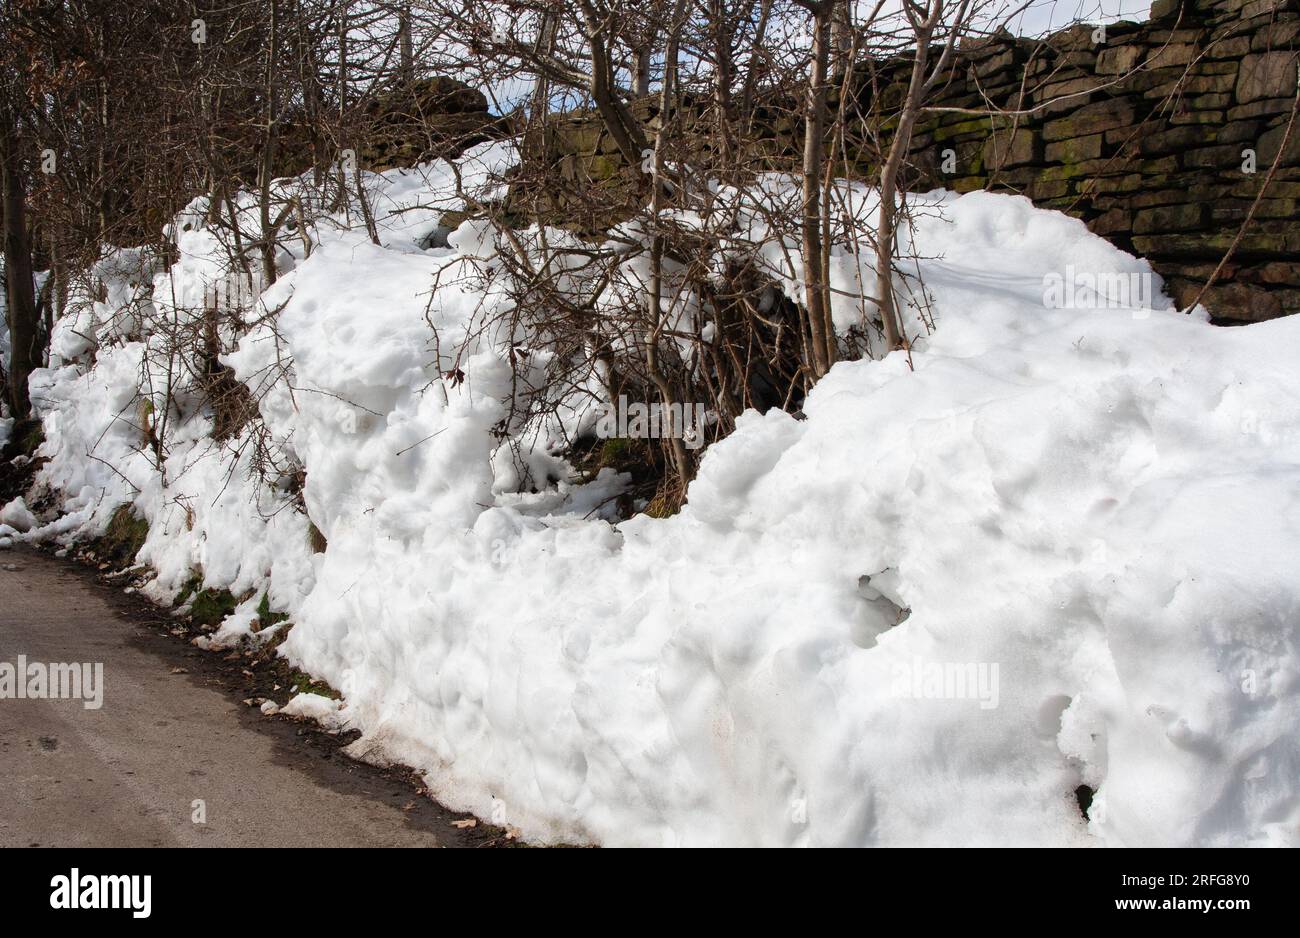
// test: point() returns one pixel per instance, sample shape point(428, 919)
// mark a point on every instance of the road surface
point(168, 735)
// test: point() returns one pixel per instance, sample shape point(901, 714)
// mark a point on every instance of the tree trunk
point(341, 92)
point(821, 332)
point(887, 228)
point(676, 446)
point(21, 309)
point(923, 30)
point(622, 126)
point(267, 168)
point(641, 87)
point(406, 48)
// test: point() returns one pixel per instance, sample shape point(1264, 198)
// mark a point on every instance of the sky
point(1045, 15)
point(1022, 17)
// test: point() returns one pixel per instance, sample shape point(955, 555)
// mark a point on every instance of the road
point(168, 735)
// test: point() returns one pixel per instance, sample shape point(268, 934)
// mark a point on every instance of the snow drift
point(1056, 549)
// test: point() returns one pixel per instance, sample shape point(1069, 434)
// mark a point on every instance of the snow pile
point(1058, 550)
point(324, 710)
point(18, 516)
point(16, 519)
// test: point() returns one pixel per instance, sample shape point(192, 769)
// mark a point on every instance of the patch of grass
point(618, 453)
point(124, 537)
point(266, 618)
point(663, 505)
point(192, 586)
point(207, 606)
point(615, 452)
point(304, 683)
point(210, 607)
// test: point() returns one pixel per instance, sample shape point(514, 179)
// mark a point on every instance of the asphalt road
point(130, 772)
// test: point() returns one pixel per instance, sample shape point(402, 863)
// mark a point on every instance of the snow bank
point(210, 511)
point(1056, 550)
point(1065, 497)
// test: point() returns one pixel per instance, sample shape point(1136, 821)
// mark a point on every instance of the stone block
point(1005, 149)
point(1218, 157)
point(1114, 221)
point(1170, 218)
point(1090, 119)
point(1172, 54)
point(1173, 140)
point(1117, 60)
point(1075, 150)
point(1266, 75)
point(1266, 108)
point(1271, 140)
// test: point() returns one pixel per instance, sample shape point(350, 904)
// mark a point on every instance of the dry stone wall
point(1158, 135)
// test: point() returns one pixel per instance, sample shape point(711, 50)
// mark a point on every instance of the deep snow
point(1086, 520)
